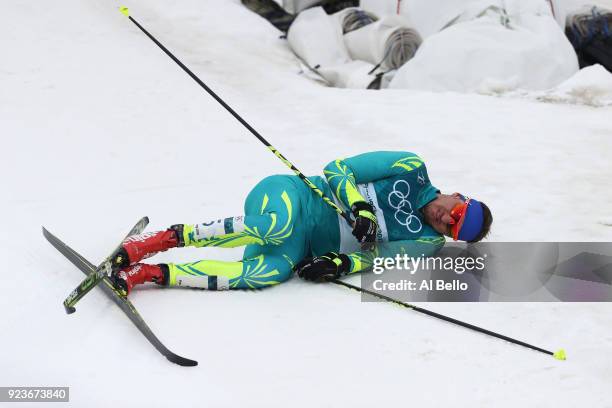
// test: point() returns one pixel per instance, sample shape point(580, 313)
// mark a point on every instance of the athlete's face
point(438, 212)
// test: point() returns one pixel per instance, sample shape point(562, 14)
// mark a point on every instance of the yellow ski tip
point(125, 11)
point(559, 354)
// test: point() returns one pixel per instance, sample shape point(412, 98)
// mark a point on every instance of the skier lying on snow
point(286, 227)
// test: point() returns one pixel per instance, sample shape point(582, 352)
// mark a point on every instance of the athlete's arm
point(333, 265)
point(343, 175)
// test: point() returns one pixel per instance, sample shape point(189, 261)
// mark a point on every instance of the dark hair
point(486, 223)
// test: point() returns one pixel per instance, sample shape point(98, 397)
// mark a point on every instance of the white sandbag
point(317, 39)
point(354, 74)
point(295, 6)
point(485, 56)
point(389, 41)
point(353, 18)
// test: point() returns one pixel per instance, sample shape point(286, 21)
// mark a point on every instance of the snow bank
point(589, 86)
point(494, 52)
point(353, 74)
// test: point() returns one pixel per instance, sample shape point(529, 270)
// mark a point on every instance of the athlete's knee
point(273, 229)
point(271, 210)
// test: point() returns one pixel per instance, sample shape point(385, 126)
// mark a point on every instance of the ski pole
point(559, 354)
point(124, 10)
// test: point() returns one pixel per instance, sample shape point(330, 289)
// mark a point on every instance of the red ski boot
point(138, 274)
point(139, 247)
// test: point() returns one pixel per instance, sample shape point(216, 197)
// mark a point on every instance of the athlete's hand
point(365, 225)
point(323, 268)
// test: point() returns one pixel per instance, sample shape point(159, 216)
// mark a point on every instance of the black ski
point(107, 286)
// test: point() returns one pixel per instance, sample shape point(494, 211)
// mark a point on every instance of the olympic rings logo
point(404, 215)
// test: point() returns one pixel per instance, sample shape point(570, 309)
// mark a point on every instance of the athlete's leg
point(270, 216)
point(266, 266)
point(284, 239)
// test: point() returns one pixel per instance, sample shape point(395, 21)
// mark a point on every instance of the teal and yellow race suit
point(284, 222)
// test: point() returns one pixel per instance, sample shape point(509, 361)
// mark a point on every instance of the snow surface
point(99, 128)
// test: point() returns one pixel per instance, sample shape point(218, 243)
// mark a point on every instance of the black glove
point(365, 222)
point(323, 268)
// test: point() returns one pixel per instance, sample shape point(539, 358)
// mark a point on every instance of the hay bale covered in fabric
point(493, 51)
point(389, 42)
point(316, 38)
point(354, 18)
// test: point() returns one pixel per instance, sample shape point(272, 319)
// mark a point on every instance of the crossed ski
point(99, 276)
